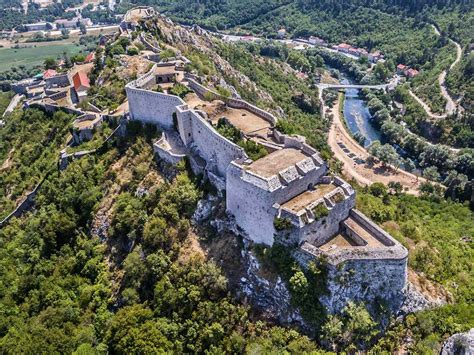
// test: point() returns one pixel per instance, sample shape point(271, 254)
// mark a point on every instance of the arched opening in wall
point(311, 187)
point(160, 79)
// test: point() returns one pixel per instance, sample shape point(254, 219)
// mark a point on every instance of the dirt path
point(426, 107)
point(343, 145)
point(450, 103)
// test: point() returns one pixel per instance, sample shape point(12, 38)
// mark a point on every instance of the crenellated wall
point(317, 231)
point(360, 275)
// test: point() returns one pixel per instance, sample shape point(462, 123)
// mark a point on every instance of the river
point(357, 116)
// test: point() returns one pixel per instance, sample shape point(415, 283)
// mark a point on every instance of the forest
point(73, 282)
point(402, 30)
point(67, 288)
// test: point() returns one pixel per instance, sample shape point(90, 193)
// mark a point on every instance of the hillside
point(123, 252)
point(400, 30)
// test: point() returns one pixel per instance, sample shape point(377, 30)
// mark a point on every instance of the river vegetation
point(454, 168)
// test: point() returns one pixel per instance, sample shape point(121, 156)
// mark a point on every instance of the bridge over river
point(391, 85)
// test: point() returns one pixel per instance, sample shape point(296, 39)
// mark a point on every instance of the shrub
point(378, 189)
point(320, 211)
point(179, 90)
point(282, 223)
point(339, 197)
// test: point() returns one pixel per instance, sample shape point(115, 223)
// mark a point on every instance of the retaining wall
point(166, 154)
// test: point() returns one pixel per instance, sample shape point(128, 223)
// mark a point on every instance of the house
point(411, 73)
point(49, 73)
point(343, 47)
point(38, 26)
point(281, 33)
point(58, 80)
point(73, 23)
point(401, 69)
point(358, 52)
point(81, 85)
point(90, 57)
point(66, 23)
point(317, 41)
point(374, 57)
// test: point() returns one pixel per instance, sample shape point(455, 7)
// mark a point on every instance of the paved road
point(426, 107)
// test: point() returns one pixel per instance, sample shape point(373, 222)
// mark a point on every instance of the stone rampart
point(148, 45)
point(215, 149)
point(59, 80)
point(234, 103)
point(152, 107)
point(385, 238)
point(165, 151)
point(58, 95)
point(317, 231)
point(25, 204)
point(250, 205)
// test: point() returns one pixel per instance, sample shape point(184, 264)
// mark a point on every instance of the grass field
point(31, 56)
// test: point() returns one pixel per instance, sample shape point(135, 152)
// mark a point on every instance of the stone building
point(285, 197)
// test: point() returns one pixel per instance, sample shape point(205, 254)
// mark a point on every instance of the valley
point(238, 177)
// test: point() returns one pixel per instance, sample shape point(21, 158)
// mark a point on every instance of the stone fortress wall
point(234, 103)
point(150, 106)
point(198, 134)
point(364, 261)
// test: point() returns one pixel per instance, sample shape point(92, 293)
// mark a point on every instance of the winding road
point(450, 103)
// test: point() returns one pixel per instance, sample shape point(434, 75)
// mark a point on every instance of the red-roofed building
point(343, 47)
point(374, 57)
point(411, 73)
point(90, 57)
point(401, 69)
point(49, 73)
point(81, 85)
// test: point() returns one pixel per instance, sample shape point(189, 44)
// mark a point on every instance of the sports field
point(31, 56)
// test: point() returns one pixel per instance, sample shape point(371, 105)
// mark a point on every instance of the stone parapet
point(168, 149)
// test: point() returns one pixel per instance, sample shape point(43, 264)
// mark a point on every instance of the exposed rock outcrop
point(461, 343)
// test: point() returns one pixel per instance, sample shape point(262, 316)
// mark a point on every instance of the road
point(450, 103)
point(339, 140)
point(426, 107)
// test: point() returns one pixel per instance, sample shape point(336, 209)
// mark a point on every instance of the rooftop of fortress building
point(169, 69)
point(279, 161)
point(306, 198)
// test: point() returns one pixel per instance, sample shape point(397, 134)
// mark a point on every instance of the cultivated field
point(32, 56)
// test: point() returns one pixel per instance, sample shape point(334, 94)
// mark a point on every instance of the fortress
point(285, 197)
